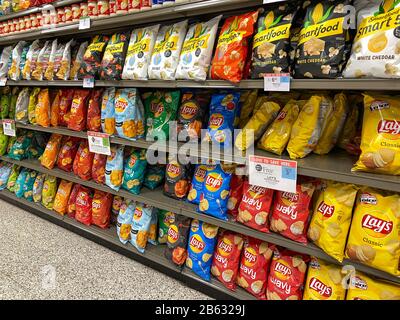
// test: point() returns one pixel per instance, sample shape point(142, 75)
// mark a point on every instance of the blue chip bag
point(197, 183)
point(215, 192)
point(202, 241)
point(124, 220)
point(19, 184)
point(141, 226)
point(222, 117)
point(115, 167)
point(134, 169)
point(108, 111)
point(28, 185)
point(5, 171)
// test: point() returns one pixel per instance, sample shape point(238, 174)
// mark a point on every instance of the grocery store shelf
point(153, 257)
point(157, 199)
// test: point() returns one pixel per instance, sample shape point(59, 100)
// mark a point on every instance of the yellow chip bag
point(324, 281)
point(380, 140)
point(351, 124)
point(374, 235)
point(49, 191)
point(362, 287)
point(277, 136)
point(33, 99)
point(248, 102)
point(257, 125)
point(330, 222)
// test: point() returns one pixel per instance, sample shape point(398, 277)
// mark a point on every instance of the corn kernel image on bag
point(101, 208)
point(324, 281)
point(141, 226)
point(115, 167)
point(165, 219)
point(178, 233)
point(197, 50)
point(49, 157)
point(12, 179)
point(91, 62)
point(28, 185)
point(330, 222)
point(380, 135)
point(134, 168)
point(124, 220)
point(202, 241)
point(322, 47)
point(38, 187)
point(374, 238)
point(376, 47)
point(62, 196)
point(363, 287)
point(108, 111)
point(49, 191)
point(114, 57)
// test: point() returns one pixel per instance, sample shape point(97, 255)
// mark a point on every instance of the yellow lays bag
point(374, 235)
point(277, 136)
point(257, 125)
point(324, 281)
point(330, 222)
point(49, 191)
point(362, 287)
point(380, 140)
point(352, 120)
point(248, 102)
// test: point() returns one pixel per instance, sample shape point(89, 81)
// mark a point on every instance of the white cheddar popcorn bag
point(197, 50)
point(376, 47)
point(140, 47)
point(166, 52)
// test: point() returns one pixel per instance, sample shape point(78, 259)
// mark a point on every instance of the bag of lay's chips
point(49, 157)
point(83, 162)
point(21, 107)
point(380, 135)
point(115, 167)
point(71, 208)
point(33, 101)
point(116, 205)
point(141, 226)
point(324, 281)
point(129, 114)
point(62, 196)
point(247, 102)
point(49, 191)
point(99, 168)
point(178, 233)
point(374, 238)
point(278, 134)
point(101, 208)
point(222, 116)
point(19, 184)
point(153, 230)
point(108, 111)
point(12, 179)
point(66, 97)
point(330, 222)
point(3, 142)
point(197, 183)
point(177, 179)
point(38, 187)
point(202, 240)
point(78, 111)
point(165, 219)
point(154, 176)
point(93, 120)
point(363, 287)
point(236, 192)
point(134, 168)
point(28, 185)
point(42, 109)
point(5, 171)
point(18, 150)
point(83, 206)
point(124, 221)
point(67, 153)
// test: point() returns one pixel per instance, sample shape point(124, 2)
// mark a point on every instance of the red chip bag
point(99, 167)
point(83, 206)
point(83, 161)
point(77, 117)
point(286, 275)
point(291, 211)
point(235, 195)
point(71, 208)
point(93, 122)
point(225, 265)
point(66, 96)
point(101, 208)
point(49, 156)
point(255, 206)
point(67, 153)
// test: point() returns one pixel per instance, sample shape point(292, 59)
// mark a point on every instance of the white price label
point(271, 1)
point(88, 82)
point(277, 82)
point(84, 23)
point(99, 143)
point(9, 127)
point(3, 82)
point(273, 173)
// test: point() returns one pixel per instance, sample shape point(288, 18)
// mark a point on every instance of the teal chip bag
point(19, 149)
point(5, 171)
point(134, 169)
point(141, 226)
point(165, 219)
point(197, 184)
point(38, 187)
point(202, 241)
point(12, 179)
point(28, 185)
point(108, 111)
point(115, 167)
point(124, 220)
point(19, 184)
point(3, 142)
point(154, 176)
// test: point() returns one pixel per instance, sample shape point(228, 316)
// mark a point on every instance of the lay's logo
point(213, 182)
point(173, 170)
point(216, 120)
point(189, 110)
point(320, 287)
point(376, 224)
point(96, 204)
point(196, 243)
point(326, 210)
point(389, 126)
point(293, 197)
point(200, 174)
point(138, 213)
point(173, 234)
point(281, 268)
point(282, 115)
point(157, 108)
point(225, 247)
point(121, 105)
point(249, 256)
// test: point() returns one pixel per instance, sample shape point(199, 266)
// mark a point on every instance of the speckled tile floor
point(39, 260)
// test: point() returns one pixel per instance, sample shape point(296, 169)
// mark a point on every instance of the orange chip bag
point(83, 161)
point(62, 197)
point(65, 106)
point(77, 117)
point(42, 109)
point(93, 121)
point(71, 207)
point(49, 156)
point(55, 110)
point(99, 167)
point(67, 153)
point(232, 47)
point(101, 208)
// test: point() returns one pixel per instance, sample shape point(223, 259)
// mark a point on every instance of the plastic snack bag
point(101, 208)
point(373, 239)
point(5, 171)
point(28, 185)
point(141, 226)
point(166, 51)
point(99, 167)
point(32, 54)
point(93, 121)
point(18, 150)
point(115, 167)
point(154, 176)
point(196, 186)
point(177, 180)
point(116, 205)
point(62, 68)
point(91, 63)
point(165, 219)
point(33, 101)
point(55, 110)
point(226, 260)
point(124, 221)
point(42, 109)
point(49, 191)
point(66, 97)
point(5, 101)
point(178, 234)
point(67, 153)
point(83, 206)
point(14, 72)
point(197, 50)
point(19, 183)
point(232, 47)
point(83, 162)
point(12, 179)
point(4, 59)
point(38, 187)
point(49, 69)
point(77, 61)
point(247, 101)
point(254, 265)
point(49, 157)
point(62, 196)
point(134, 168)
point(235, 194)
point(71, 208)
point(153, 231)
point(202, 240)
point(324, 281)
point(330, 222)
point(114, 55)
point(77, 117)
point(13, 102)
point(140, 48)
point(42, 61)
point(3, 142)
point(108, 111)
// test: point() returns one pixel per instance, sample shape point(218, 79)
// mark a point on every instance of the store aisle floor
point(39, 260)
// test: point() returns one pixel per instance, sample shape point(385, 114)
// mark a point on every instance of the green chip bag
point(3, 142)
point(165, 218)
point(134, 168)
point(11, 141)
point(12, 179)
point(33, 100)
point(13, 102)
point(49, 191)
point(5, 102)
point(38, 187)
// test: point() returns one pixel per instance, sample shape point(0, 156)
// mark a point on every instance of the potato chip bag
point(83, 162)
point(71, 208)
point(5, 101)
point(324, 281)
point(67, 153)
point(197, 183)
point(19, 183)
point(77, 117)
point(21, 107)
point(165, 219)
point(20, 146)
point(33, 101)
point(330, 222)
point(83, 206)
point(42, 60)
point(11, 142)
point(116, 205)
point(14, 70)
point(62, 66)
point(154, 176)
point(167, 48)
point(129, 114)
point(202, 240)
point(38, 187)
point(5, 60)
point(235, 194)
point(101, 208)
point(226, 260)
point(99, 168)
point(363, 287)
point(28, 184)
point(153, 230)
point(38, 145)
point(49, 191)
point(124, 221)
point(91, 62)
point(247, 102)
point(278, 134)
point(177, 179)
point(177, 240)
point(55, 110)
point(290, 212)
point(31, 57)
point(254, 265)
point(77, 58)
point(197, 49)
point(374, 239)
point(286, 275)
point(12, 179)
point(49, 70)
point(13, 102)
point(66, 96)
point(115, 167)
point(232, 47)
point(49, 157)
point(5, 171)
point(134, 168)
point(42, 109)
point(62, 197)
point(114, 56)
point(3, 142)
point(141, 226)
point(93, 121)
point(108, 111)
